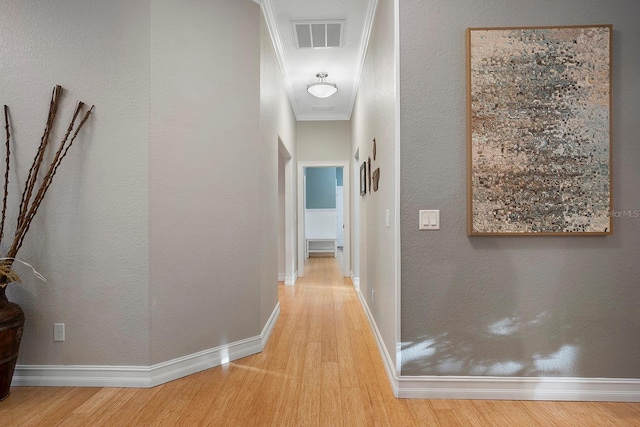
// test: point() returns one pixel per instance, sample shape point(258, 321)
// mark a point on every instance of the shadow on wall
point(496, 349)
point(521, 324)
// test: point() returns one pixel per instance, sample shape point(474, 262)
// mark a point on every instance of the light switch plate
point(429, 220)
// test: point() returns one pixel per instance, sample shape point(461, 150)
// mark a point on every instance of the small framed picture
point(369, 175)
point(363, 179)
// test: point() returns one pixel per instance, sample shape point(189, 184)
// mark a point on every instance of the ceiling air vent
point(318, 34)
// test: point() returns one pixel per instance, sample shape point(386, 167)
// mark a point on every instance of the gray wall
point(90, 237)
point(516, 306)
point(151, 250)
point(204, 239)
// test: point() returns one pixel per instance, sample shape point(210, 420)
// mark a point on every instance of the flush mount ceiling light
point(322, 89)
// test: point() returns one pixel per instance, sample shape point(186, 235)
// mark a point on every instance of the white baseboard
point(386, 357)
point(503, 388)
point(290, 281)
point(142, 376)
point(268, 327)
point(520, 388)
point(356, 281)
point(281, 277)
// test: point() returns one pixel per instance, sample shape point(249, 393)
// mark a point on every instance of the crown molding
point(362, 53)
point(276, 40)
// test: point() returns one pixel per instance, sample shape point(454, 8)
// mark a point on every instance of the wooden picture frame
point(363, 179)
point(539, 130)
point(369, 175)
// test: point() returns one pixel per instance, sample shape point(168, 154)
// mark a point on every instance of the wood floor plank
point(286, 404)
point(19, 401)
point(309, 402)
point(347, 358)
point(422, 412)
point(354, 411)
point(329, 344)
point(130, 412)
point(184, 393)
point(55, 408)
point(330, 395)
point(470, 414)
point(100, 412)
point(321, 367)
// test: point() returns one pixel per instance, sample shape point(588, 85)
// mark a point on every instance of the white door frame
point(346, 179)
point(289, 217)
point(355, 266)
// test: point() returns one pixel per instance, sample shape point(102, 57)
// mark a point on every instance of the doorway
point(324, 212)
point(321, 237)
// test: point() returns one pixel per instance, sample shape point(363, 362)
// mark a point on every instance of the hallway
point(320, 367)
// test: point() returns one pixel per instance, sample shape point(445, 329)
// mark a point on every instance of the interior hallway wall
point(277, 122)
point(90, 237)
point(324, 140)
point(374, 117)
point(514, 306)
point(206, 247)
point(143, 236)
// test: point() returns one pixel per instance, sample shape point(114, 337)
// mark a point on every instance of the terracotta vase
point(11, 323)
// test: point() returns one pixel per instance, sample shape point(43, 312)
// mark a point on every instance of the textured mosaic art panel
point(539, 130)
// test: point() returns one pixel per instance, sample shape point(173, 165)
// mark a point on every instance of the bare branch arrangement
point(35, 186)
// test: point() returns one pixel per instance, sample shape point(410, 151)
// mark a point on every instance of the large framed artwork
point(539, 130)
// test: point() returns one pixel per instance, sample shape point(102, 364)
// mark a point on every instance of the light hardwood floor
point(320, 367)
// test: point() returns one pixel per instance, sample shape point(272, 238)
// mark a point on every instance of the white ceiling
point(300, 66)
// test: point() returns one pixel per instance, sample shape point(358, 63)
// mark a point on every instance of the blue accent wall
point(321, 188)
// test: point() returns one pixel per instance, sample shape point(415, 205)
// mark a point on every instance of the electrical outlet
point(373, 297)
point(58, 332)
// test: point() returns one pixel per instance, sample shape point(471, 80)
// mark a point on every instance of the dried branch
point(35, 189)
point(48, 179)
point(37, 161)
point(6, 173)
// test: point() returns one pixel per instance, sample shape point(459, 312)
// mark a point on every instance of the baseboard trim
point(386, 357)
point(356, 281)
point(142, 376)
point(268, 327)
point(520, 388)
point(290, 281)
